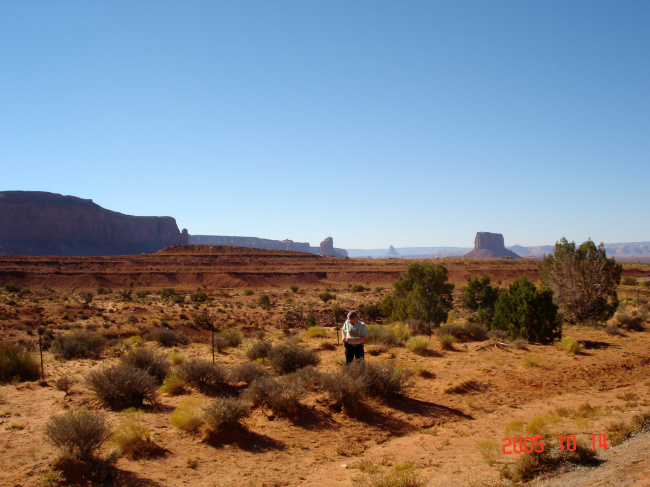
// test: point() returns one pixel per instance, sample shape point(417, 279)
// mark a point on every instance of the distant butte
point(489, 246)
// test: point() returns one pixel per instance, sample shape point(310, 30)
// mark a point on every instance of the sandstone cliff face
point(327, 248)
point(490, 245)
point(251, 242)
point(40, 223)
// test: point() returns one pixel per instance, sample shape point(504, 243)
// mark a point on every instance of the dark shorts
point(352, 352)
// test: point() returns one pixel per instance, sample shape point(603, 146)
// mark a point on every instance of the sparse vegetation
point(231, 337)
point(173, 385)
point(79, 344)
point(123, 386)
point(225, 412)
point(569, 345)
point(284, 358)
point(258, 349)
point(78, 434)
point(446, 341)
point(167, 337)
point(144, 359)
point(316, 332)
point(489, 450)
point(188, 416)
point(132, 438)
point(281, 395)
point(248, 372)
point(418, 344)
point(204, 375)
point(16, 364)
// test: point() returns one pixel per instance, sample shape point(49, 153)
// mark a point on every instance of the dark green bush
point(629, 281)
point(358, 288)
point(326, 296)
point(285, 359)
point(264, 301)
point(523, 311)
point(167, 292)
point(12, 288)
point(468, 332)
point(144, 359)
point(293, 289)
point(259, 349)
point(310, 321)
point(248, 292)
point(17, 364)
point(203, 375)
point(79, 344)
point(78, 434)
point(231, 337)
point(167, 337)
point(199, 297)
point(370, 311)
point(123, 386)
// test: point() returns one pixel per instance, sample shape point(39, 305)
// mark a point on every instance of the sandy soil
point(436, 431)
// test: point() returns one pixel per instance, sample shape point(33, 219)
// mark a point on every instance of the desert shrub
point(537, 426)
point(64, 384)
point(167, 292)
point(16, 363)
point(167, 337)
point(202, 320)
point(316, 332)
point(523, 311)
point(383, 379)
point(497, 335)
point(583, 280)
point(630, 320)
point(326, 296)
point(12, 288)
point(310, 320)
point(177, 299)
point(466, 332)
point(462, 387)
point(343, 388)
point(258, 349)
point(399, 476)
point(122, 386)
point(388, 335)
point(293, 289)
point(232, 337)
point(570, 345)
point(248, 292)
point(188, 416)
point(520, 344)
point(173, 385)
point(79, 344)
point(103, 290)
point(203, 375)
point(225, 412)
point(144, 359)
point(514, 428)
point(531, 465)
point(198, 297)
point(446, 341)
point(284, 358)
point(281, 395)
point(629, 281)
point(78, 434)
point(480, 297)
point(531, 361)
point(132, 438)
point(489, 450)
point(641, 422)
point(370, 311)
point(618, 432)
point(264, 301)
point(418, 344)
point(614, 330)
point(359, 288)
point(86, 297)
point(176, 357)
point(248, 372)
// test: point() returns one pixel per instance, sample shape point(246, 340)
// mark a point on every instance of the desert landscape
point(443, 422)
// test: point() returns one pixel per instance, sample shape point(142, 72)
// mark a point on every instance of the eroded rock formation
point(490, 245)
point(327, 248)
point(40, 223)
point(251, 242)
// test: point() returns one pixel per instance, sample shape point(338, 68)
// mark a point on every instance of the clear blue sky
point(411, 123)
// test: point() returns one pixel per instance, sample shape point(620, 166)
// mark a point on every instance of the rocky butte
point(40, 223)
point(489, 246)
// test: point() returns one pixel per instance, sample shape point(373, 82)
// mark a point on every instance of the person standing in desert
point(354, 336)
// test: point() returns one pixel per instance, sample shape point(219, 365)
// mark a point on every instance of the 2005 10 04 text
point(530, 444)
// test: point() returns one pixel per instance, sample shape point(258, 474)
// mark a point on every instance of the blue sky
point(411, 123)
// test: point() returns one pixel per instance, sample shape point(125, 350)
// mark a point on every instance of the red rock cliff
point(39, 223)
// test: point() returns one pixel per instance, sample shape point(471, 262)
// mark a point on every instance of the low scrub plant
point(123, 386)
point(78, 434)
point(316, 332)
point(531, 361)
point(446, 341)
point(418, 344)
point(232, 337)
point(462, 387)
point(281, 395)
point(188, 416)
point(248, 372)
point(177, 357)
point(287, 358)
point(17, 364)
point(225, 412)
point(403, 475)
point(199, 297)
point(132, 438)
point(172, 385)
point(264, 301)
point(144, 359)
point(382, 379)
point(569, 345)
point(258, 349)
point(326, 296)
point(202, 374)
point(167, 337)
point(489, 450)
point(537, 426)
point(343, 388)
point(388, 335)
point(79, 344)
point(64, 384)
point(466, 332)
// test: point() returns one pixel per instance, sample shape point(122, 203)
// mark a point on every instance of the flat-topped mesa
point(489, 246)
point(41, 223)
point(327, 248)
point(252, 242)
